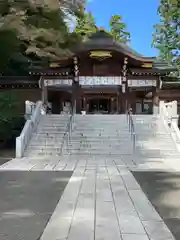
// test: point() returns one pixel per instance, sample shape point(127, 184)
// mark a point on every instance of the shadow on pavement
point(163, 191)
point(27, 201)
point(6, 155)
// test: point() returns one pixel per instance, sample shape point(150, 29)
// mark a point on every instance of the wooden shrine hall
point(103, 76)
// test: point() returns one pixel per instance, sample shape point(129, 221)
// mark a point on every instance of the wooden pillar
point(77, 98)
point(125, 86)
point(117, 103)
point(44, 90)
point(76, 87)
point(155, 102)
point(129, 98)
point(123, 100)
point(87, 104)
point(155, 97)
point(84, 104)
point(112, 105)
point(133, 102)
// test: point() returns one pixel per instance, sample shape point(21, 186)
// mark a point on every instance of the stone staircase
point(105, 136)
point(48, 138)
point(108, 137)
point(101, 135)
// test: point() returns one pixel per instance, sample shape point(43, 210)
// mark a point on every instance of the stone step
point(51, 119)
point(149, 153)
point(102, 140)
point(151, 140)
point(85, 154)
point(106, 132)
point(98, 134)
point(51, 131)
point(92, 144)
point(51, 124)
point(157, 135)
point(48, 134)
point(82, 146)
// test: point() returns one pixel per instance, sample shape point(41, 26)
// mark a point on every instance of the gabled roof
point(103, 40)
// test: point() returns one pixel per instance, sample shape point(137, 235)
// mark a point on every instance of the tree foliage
point(166, 37)
point(118, 29)
point(85, 25)
point(30, 29)
point(38, 29)
point(9, 118)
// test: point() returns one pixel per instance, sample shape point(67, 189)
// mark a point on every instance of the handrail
point(68, 132)
point(131, 128)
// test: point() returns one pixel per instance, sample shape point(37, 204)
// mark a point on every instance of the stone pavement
point(102, 201)
point(27, 202)
point(163, 190)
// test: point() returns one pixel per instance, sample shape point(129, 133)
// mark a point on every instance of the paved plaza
point(101, 201)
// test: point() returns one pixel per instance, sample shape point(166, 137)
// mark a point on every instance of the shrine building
point(103, 76)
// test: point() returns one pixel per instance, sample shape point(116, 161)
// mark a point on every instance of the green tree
point(9, 118)
point(85, 25)
point(40, 27)
point(166, 37)
point(118, 29)
point(9, 43)
point(30, 29)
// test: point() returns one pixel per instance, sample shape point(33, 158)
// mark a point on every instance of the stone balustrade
point(168, 113)
point(29, 127)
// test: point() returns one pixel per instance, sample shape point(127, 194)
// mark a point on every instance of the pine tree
point(85, 25)
point(166, 37)
point(118, 29)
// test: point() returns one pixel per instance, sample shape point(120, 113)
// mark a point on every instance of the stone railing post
point(19, 147)
point(161, 107)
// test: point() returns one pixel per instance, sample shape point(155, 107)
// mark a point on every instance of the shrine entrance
point(60, 101)
point(99, 106)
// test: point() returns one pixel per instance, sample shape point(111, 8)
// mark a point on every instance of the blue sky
point(139, 15)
